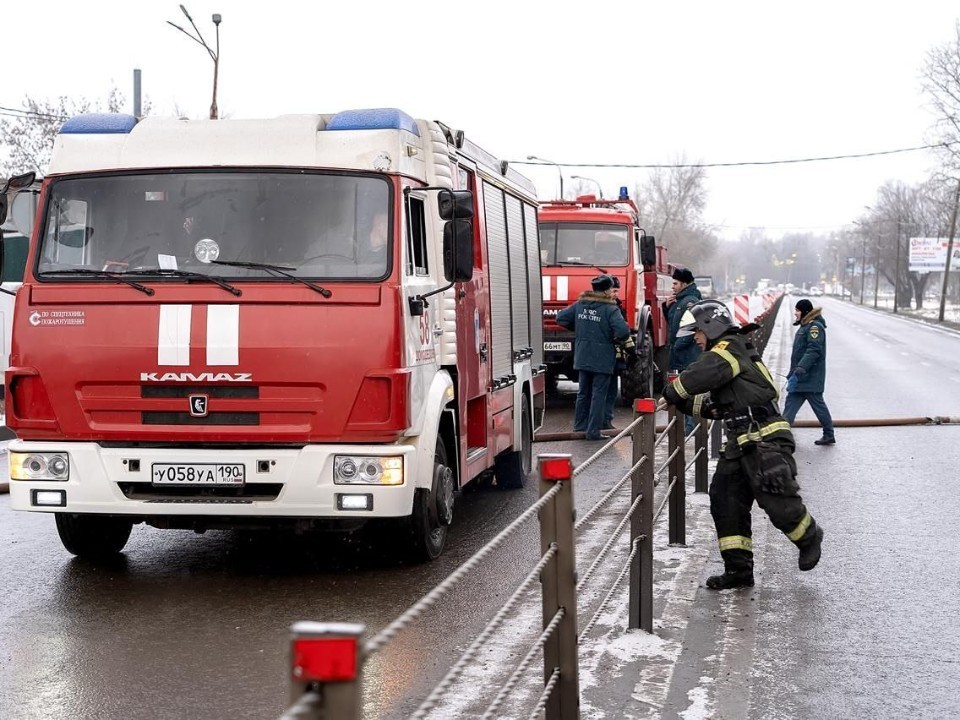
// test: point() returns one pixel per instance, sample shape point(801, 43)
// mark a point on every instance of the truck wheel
point(637, 381)
point(513, 467)
point(432, 510)
point(93, 536)
point(661, 361)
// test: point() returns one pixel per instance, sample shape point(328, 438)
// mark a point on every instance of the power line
point(642, 166)
point(14, 112)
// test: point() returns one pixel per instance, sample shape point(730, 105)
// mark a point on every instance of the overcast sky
point(597, 82)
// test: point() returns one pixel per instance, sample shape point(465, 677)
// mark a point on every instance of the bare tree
point(941, 82)
point(672, 203)
point(29, 136)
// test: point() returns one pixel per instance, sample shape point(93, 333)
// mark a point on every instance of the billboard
point(930, 255)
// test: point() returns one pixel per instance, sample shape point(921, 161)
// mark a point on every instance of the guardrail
point(327, 659)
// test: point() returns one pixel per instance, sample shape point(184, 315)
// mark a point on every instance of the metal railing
point(327, 659)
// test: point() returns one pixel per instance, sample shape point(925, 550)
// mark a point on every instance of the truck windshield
point(324, 226)
point(584, 243)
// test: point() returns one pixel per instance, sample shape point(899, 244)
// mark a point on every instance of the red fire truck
point(314, 320)
point(585, 237)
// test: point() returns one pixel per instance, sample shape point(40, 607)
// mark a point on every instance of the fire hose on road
point(861, 422)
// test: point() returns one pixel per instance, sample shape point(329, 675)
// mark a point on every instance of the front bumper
point(280, 482)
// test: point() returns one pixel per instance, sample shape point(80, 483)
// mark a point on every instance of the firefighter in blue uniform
point(597, 322)
point(730, 383)
point(808, 369)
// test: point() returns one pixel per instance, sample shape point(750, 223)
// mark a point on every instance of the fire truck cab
point(583, 238)
point(317, 320)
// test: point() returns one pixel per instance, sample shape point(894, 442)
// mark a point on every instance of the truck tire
point(637, 380)
point(432, 511)
point(661, 359)
point(93, 536)
point(513, 467)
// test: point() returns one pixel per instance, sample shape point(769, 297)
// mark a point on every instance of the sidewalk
point(633, 675)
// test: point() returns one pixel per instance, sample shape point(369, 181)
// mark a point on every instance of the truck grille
point(205, 493)
point(214, 418)
point(214, 391)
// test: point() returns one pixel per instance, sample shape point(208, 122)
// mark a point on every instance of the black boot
point(810, 548)
point(731, 579)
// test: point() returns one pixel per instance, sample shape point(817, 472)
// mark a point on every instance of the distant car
point(815, 292)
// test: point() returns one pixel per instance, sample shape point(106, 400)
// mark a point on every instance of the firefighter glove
point(792, 384)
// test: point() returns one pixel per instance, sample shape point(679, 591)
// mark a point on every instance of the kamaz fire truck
point(316, 320)
point(585, 237)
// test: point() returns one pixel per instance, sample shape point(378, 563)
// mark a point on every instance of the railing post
point(677, 469)
point(700, 466)
point(325, 660)
point(559, 584)
point(641, 524)
point(716, 439)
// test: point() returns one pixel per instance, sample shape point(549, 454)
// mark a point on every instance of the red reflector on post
point(645, 405)
point(325, 659)
point(557, 467)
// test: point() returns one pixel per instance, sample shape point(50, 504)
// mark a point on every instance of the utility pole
point(946, 269)
point(137, 106)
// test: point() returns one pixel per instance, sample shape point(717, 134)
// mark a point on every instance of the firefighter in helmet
point(730, 383)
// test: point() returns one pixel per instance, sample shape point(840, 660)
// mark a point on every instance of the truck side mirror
point(23, 211)
point(648, 250)
point(14, 183)
point(455, 204)
point(458, 250)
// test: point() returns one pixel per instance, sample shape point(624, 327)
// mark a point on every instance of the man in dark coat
point(730, 383)
point(808, 369)
point(597, 322)
point(683, 350)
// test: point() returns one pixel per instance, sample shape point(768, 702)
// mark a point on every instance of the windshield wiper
point(281, 270)
point(561, 263)
point(187, 274)
point(101, 273)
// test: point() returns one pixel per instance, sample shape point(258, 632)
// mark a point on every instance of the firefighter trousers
point(765, 472)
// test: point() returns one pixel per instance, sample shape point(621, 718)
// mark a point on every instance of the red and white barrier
point(741, 309)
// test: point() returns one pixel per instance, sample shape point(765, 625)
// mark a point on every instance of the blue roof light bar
point(99, 124)
point(373, 119)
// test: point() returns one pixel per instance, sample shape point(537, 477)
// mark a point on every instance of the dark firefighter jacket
point(597, 323)
point(810, 353)
point(683, 350)
point(730, 382)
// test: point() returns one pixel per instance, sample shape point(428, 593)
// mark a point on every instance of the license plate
point(556, 346)
point(198, 474)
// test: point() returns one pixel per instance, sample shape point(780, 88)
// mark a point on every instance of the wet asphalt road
point(188, 626)
point(873, 631)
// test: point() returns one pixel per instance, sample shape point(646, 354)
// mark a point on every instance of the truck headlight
point(362, 470)
point(39, 466)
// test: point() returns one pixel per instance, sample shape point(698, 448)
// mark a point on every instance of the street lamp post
point(581, 177)
point(550, 162)
point(876, 274)
point(896, 275)
point(214, 55)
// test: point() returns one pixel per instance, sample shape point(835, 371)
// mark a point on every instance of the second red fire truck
point(585, 237)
